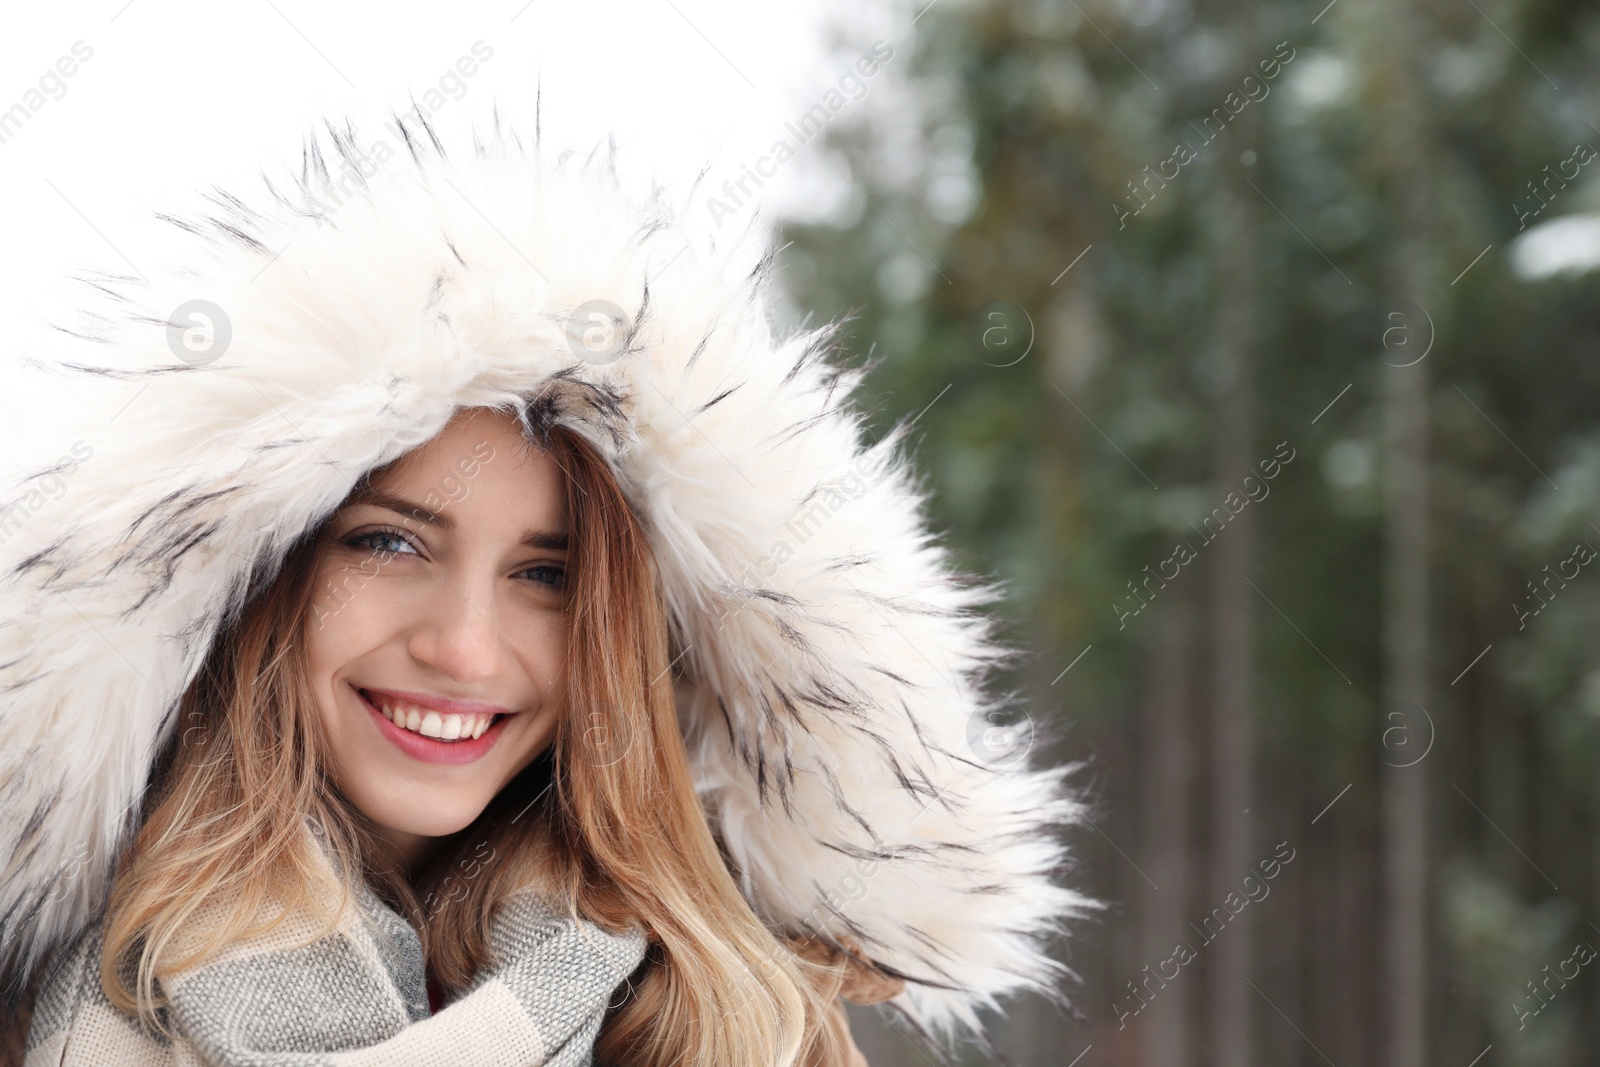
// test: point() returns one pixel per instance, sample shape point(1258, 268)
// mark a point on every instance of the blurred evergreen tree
point(1101, 349)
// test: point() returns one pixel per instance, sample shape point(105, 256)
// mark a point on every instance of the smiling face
point(437, 637)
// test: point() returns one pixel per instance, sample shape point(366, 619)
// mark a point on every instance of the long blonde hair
point(608, 819)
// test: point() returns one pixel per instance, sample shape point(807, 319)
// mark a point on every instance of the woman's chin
point(419, 818)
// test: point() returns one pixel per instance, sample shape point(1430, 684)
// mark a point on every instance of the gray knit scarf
point(356, 997)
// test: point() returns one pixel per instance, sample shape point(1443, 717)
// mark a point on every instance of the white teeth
point(432, 724)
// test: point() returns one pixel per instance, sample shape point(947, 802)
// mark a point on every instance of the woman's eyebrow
point(553, 542)
point(402, 506)
point(542, 539)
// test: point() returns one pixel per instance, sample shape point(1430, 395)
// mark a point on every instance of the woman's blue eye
point(393, 543)
point(554, 577)
point(382, 543)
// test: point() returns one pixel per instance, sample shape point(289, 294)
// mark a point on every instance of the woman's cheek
point(541, 642)
point(352, 615)
point(404, 592)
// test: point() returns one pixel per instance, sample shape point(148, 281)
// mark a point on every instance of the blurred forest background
point(1343, 347)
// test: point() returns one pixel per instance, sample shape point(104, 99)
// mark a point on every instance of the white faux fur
point(830, 662)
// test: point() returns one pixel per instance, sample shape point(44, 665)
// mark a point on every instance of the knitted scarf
point(354, 998)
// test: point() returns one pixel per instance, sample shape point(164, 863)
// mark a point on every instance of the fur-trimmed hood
point(831, 664)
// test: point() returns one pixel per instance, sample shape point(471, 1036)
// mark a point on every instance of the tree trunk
point(1594, 854)
point(1405, 594)
point(1234, 602)
point(1165, 807)
point(1405, 800)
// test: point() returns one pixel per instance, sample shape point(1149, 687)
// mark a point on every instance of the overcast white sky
point(179, 93)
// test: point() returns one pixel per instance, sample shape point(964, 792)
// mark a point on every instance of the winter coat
point(832, 664)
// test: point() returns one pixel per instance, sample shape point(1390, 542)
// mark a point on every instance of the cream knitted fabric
point(355, 998)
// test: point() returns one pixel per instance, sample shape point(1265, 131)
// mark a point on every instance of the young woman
point(464, 633)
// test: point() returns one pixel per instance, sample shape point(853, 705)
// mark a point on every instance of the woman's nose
point(458, 635)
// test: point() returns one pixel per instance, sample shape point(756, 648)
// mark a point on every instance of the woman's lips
point(443, 705)
point(432, 750)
